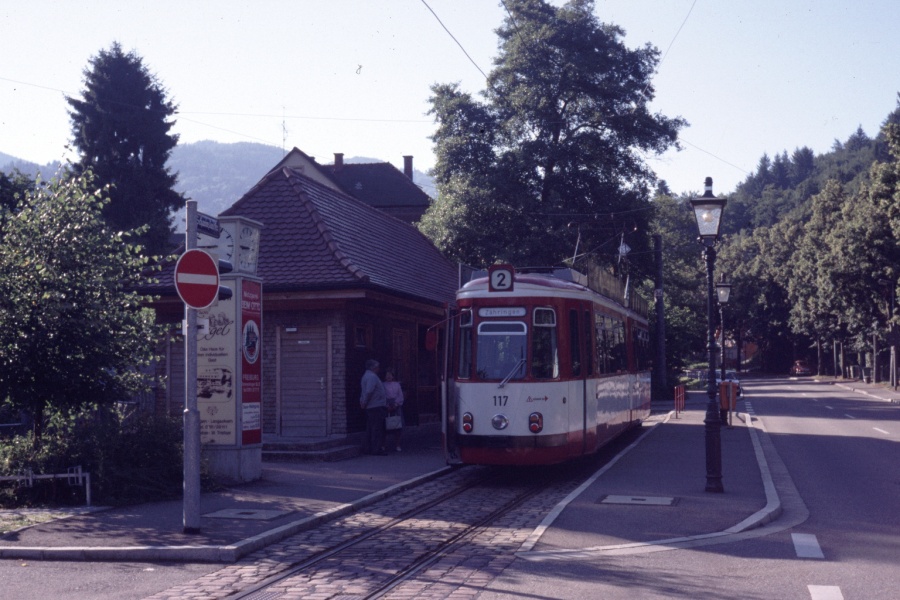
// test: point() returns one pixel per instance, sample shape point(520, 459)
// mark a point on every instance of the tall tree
point(122, 129)
point(70, 331)
point(559, 139)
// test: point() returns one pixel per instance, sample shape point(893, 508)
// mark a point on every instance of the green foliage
point(131, 459)
point(120, 127)
point(70, 330)
point(559, 139)
point(684, 305)
point(13, 187)
point(824, 266)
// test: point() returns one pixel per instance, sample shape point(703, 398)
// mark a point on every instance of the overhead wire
point(454, 39)
point(182, 114)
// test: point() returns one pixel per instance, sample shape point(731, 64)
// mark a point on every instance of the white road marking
point(882, 431)
point(828, 407)
point(825, 592)
point(806, 545)
point(849, 416)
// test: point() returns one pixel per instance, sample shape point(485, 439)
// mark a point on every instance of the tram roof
point(547, 282)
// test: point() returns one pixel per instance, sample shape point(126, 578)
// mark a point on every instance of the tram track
point(395, 550)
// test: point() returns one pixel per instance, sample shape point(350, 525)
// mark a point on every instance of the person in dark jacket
point(374, 401)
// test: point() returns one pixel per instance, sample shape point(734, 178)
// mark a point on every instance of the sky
point(752, 77)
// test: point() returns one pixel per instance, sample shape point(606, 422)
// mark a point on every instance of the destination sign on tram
point(501, 311)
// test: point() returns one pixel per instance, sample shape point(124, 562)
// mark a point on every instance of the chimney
point(407, 166)
point(338, 160)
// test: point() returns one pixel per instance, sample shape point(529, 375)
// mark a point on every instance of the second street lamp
point(723, 291)
point(708, 212)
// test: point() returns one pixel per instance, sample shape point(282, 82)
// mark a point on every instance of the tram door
point(579, 358)
point(304, 386)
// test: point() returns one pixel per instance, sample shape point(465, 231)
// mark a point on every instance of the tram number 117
point(500, 400)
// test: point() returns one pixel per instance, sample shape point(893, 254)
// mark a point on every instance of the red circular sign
point(197, 278)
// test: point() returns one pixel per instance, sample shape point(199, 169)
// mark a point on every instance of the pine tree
point(121, 128)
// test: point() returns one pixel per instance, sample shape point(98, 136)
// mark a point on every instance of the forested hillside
point(811, 245)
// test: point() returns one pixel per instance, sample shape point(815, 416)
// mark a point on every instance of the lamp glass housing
point(723, 291)
point(708, 212)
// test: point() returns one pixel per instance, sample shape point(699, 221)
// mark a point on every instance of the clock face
point(249, 248)
point(226, 244)
point(223, 247)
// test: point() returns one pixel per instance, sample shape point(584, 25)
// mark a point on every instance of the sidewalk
point(879, 391)
point(653, 497)
point(289, 498)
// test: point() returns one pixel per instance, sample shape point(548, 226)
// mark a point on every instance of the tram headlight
point(535, 422)
point(468, 422)
point(500, 422)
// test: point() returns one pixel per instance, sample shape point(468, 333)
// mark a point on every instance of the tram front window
point(501, 350)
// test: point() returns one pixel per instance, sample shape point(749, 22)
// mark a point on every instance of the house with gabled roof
point(378, 184)
point(342, 282)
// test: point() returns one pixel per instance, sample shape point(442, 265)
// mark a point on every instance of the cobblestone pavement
point(460, 574)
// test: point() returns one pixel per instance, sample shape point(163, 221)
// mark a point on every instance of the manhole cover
point(247, 513)
point(639, 500)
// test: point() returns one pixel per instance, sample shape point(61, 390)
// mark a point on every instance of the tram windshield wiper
point(513, 372)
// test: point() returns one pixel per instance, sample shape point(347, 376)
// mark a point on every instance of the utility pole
point(660, 362)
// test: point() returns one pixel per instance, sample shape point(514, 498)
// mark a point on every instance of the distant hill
point(10, 163)
point(214, 174)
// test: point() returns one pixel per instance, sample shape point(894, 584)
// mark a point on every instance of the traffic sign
point(208, 225)
point(197, 278)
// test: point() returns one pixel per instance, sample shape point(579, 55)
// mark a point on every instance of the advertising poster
point(216, 362)
point(251, 362)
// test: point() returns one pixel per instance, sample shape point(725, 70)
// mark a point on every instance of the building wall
point(357, 330)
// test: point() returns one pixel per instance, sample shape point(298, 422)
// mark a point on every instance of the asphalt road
point(839, 536)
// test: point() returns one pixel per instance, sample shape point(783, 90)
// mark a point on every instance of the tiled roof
point(316, 238)
point(378, 184)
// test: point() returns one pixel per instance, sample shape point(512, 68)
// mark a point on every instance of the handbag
point(392, 422)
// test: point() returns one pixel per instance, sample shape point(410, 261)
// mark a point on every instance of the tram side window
point(600, 354)
point(500, 350)
point(618, 352)
point(611, 353)
point(464, 369)
point(641, 342)
point(544, 351)
point(588, 338)
point(574, 343)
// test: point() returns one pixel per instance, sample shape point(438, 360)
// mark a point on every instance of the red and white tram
point(541, 369)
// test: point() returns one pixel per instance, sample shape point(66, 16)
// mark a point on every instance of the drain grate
point(638, 500)
point(247, 513)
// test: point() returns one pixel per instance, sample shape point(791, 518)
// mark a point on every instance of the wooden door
point(303, 382)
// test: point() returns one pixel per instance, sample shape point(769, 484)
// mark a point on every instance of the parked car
point(729, 376)
point(801, 368)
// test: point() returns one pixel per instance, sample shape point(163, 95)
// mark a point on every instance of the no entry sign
point(197, 278)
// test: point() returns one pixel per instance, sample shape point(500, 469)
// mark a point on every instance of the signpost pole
point(191, 412)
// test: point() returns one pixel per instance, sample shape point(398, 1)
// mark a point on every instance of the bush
point(136, 458)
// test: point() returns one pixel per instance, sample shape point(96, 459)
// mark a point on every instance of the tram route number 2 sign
point(500, 278)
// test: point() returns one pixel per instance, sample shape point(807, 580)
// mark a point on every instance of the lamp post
point(892, 332)
point(723, 292)
point(708, 212)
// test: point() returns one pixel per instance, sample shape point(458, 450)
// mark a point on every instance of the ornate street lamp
point(708, 211)
point(723, 292)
